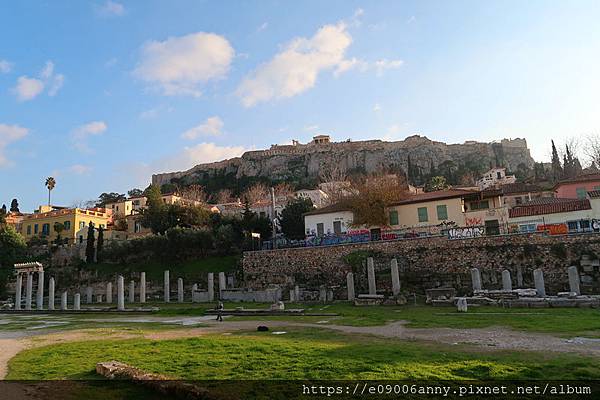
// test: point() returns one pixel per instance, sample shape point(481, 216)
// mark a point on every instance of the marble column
point(506, 281)
point(194, 290)
point(28, 291)
point(167, 288)
point(18, 288)
point(297, 293)
point(323, 294)
point(350, 285)
point(98, 298)
point(574, 280)
point(120, 293)
point(89, 295)
point(371, 276)
point(39, 303)
point(51, 294)
point(395, 277)
point(476, 279)
point(109, 296)
point(222, 283)
point(63, 302)
point(538, 278)
point(211, 286)
point(132, 291)
point(519, 276)
point(142, 287)
point(77, 302)
point(180, 290)
point(461, 304)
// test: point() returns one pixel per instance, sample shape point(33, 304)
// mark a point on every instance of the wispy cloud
point(81, 134)
point(28, 88)
point(213, 126)
point(5, 67)
point(80, 169)
point(384, 64)
point(110, 9)
point(262, 27)
point(8, 135)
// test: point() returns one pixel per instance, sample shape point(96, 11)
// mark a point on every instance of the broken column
point(194, 290)
point(476, 279)
point(574, 280)
point(89, 295)
point(211, 286)
point(51, 294)
point(297, 293)
point(132, 291)
point(180, 290)
point(461, 304)
point(222, 282)
point(519, 276)
point(350, 285)
point(142, 287)
point(39, 303)
point(18, 288)
point(77, 302)
point(63, 302)
point(395, 277)
point(371, 276)
point(506, 281)
point(323, 294)
point(167, 288)
point(120, 293)
point(28, 290)
point(538, 277)
point(109, 292)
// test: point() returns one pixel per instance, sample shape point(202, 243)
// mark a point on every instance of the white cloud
point(79, 169)
point(5, 67)
point(411, 19)
point(179, 65)
point(376, 107)
point(296, 68)
point(263, 26)
point(9, 134)
point(155, 112)
point(111, 9)
point(311, 128)
point(111, 62)
point(347, 65)
point(83, 132)
point(211, 127)
point(385, 64)
point(28, 88)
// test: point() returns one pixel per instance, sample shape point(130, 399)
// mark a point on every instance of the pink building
point(577, 188)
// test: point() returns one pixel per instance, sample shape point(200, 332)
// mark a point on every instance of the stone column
point(51, 294)
point(350, 285)
point(476, 279)
point(109, 297)
point(222, 282)
point(18, 288)
point(538, 277)
point(28, 290)
point(142, 287)
point(574, 280)
point(519, 276)
point(461, 304)
point(323, 294)
point(180, 290)
point(395, 277)
point(89, 295)
point(506, 281)
point(63, 302)
point(39, 303)
point(297, 293)
point(371, 276)
point(98, 298)
point(211, 286)
point(77, 302)
point(167, 288)
point(120, 293)
point(132, 291)
point(194, 290)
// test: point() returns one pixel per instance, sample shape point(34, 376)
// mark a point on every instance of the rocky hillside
point(416, 156)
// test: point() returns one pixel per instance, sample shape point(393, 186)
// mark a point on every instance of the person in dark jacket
point(220, 312)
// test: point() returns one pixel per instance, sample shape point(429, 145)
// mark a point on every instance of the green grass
point(300, 354)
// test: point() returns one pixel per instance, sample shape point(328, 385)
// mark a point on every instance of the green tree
point(100, 244)
point(291, 220)
point(135, 192)
point(557, 170)
point(89, 248)
point(58, 228)
point(50, 184)
point(436, 183)
point(154, 216)
point(14, 206)
point(12, 246)
point(112, 197)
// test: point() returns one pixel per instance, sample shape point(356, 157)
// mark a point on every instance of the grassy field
point(298, 354)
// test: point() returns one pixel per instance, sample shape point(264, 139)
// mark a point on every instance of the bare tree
point(333, 172)
point(592, 149)
point(223, 196)
point(256, 193)
point(284, 189)
point(194, 192)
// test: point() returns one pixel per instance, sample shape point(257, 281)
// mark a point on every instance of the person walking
point(220, 312)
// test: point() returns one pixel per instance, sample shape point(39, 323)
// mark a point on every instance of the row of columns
point(371, 279)
point(180, 288)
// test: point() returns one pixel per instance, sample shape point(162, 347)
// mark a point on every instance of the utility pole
point(273, 218)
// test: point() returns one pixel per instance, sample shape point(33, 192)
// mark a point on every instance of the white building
point(495, 177)
point(334, 219)
point(318, 197)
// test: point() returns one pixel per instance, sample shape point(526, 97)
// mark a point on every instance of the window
point(442, 212)
point(29, 229)
point(480, 205)
point(46, 229)
point(422, 213)
point(393, 217)
point(573, 226)
point(320, 229)
point(136, 202)
point(82, 225)
point(596, 187)
point(518, 200)
point(527, 228)
point(117, 208)
point(499, 175)
point(337, 227)
point(67, 225)
point(35, 229)
point(581, 193)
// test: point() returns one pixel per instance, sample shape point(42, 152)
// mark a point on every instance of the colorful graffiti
point(464, 233)
point(554, 229)
point(473, 221)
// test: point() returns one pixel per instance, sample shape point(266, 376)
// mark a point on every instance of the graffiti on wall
point(473, 221)
point(553, 229)
point(464, 233)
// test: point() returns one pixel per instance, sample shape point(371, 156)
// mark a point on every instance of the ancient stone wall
point(433, 262)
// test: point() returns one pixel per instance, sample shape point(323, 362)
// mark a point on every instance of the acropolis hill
point(301, 161)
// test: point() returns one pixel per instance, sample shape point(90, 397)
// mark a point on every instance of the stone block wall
point(432, 262)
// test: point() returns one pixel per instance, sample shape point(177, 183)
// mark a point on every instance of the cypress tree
point(89, 249)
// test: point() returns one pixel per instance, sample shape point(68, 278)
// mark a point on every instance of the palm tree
point(50, 183)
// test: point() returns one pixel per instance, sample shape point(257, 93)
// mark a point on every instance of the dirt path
point(490, 338)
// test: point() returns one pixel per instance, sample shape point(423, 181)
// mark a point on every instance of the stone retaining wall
point(432, 262)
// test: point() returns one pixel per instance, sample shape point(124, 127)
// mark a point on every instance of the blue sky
point(102, 94)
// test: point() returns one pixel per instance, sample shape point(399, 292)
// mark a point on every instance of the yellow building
point(42, 223)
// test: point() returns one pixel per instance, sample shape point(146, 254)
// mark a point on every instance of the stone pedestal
point(476, 279)
point(142, 287)
point(63, 302)
point(51, 294)
point(574, 280)
point(132, 291)
point(211, 286)
point(120, 293)
point(538, 278)
point(39, 303)
point(371, 276)
point(77, 302)
point(98, 298)
point(28, 291)
point(350, 286)
point(167, 288)
point(18, 288)
point(395, 277)
point(180, 290)
point(506, 281)
point(109, 296)
point(89, 295)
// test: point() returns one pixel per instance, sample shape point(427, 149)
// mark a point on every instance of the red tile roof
point(581, 178)
point(437, 195)
point(566, 205)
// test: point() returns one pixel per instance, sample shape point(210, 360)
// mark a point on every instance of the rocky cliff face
point(289, 162)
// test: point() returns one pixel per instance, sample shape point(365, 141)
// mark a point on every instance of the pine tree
point(14, 206)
